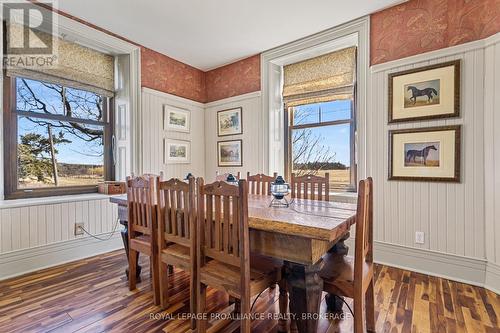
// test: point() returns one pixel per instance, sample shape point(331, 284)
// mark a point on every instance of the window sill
point(347, 197)
point(15, 203)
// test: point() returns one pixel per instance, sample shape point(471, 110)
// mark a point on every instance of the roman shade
point(76, 66)
point(320, 79)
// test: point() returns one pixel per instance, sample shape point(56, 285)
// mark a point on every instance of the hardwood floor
point(92, 296)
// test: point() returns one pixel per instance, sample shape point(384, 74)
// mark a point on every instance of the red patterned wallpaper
point(420, 26)
point(234, 79)
point(165, 74)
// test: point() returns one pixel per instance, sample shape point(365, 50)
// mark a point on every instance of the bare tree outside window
point(320, 141)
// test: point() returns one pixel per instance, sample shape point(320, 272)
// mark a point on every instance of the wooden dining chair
point(223, 176)
point(142, 230)
point(311, 187)
point(224, 261)
point(260, 184)
point(353, 277)
point(176, 234)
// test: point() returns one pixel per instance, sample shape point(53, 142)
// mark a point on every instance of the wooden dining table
point(299, 235)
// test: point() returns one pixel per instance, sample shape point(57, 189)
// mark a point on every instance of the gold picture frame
point(430, 92)
point(425, 154)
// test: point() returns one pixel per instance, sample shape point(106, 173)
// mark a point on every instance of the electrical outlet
point(78, 229)
point(419, 237)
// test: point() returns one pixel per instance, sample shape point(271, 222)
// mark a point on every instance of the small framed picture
point(176, 119)
point(229, 122)
point(429, 92)
point(230, 153)
point(427, 154)
point(177, 151)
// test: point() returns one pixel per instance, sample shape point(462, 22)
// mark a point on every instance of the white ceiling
point(210, 33)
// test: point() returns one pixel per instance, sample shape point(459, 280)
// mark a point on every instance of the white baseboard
point(20, 262)
point(474, 271)
point(493, 277)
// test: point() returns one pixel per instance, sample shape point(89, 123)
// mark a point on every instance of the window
point(320, 140)
point(58, 139)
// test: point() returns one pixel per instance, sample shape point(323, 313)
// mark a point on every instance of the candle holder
point(232, 180)
point(279, 189)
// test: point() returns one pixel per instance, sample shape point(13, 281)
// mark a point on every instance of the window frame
point(289, 127)
point(10, 116)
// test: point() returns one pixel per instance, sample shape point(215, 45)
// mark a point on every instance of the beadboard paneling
point(34, 226)
point(451, 215)
point(492, 152)
point(252, 136)
point(153, 135)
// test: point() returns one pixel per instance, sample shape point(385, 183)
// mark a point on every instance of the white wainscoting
point(253, 135)
point(153, 135)
point(35, 235)
point(458, 219)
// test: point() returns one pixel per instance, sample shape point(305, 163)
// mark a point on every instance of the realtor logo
point(30, 34)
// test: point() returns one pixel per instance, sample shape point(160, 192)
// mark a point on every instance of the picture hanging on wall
point(229, 122)
point(425, 154)
point(230, 153)
point(430, 92)
point(177, 151)
point(176, 119)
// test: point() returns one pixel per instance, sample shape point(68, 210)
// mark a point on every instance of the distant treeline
point(321, 166)
point(69, 170)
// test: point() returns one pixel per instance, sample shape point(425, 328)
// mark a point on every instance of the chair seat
point(338, 274)
point(264, 272)
point(177, 255)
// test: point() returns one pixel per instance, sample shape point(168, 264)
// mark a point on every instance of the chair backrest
point(363, 252)
point(224, 235)
point(141, 214)
point(260, 183)
point(311, 187)
point(221, 177)
point(176, 212)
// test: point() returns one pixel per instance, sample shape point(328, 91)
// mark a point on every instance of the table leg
point(124, 234)
point(305, 287)
point(335, 303)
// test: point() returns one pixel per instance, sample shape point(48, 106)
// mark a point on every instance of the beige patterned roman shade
point(320, 79)
point(76, 66)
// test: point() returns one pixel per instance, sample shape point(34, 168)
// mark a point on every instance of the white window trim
point(87, 36)
point(354, 33)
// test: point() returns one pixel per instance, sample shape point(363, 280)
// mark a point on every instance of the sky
point(336, 137)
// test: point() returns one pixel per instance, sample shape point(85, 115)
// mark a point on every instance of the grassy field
point(429, 163)
point(421, 101)
point(63, 181)
point(338, 178)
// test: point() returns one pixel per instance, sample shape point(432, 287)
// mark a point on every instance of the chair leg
point(194, 297)
point(164, 287)
point(201, 323)
point(283, 307)
point(246, 321)
point(132, 269)
point(155, 278)
point(370, 308)
point(359, 313)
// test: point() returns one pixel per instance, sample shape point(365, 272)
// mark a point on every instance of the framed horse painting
point(429, 92)
point(426, 154)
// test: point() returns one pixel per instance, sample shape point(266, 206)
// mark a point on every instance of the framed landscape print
point(229, 122)
point(177, 151)
point(230, 153)
point(429, 92)
point(176, 119)
point(427, 154)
